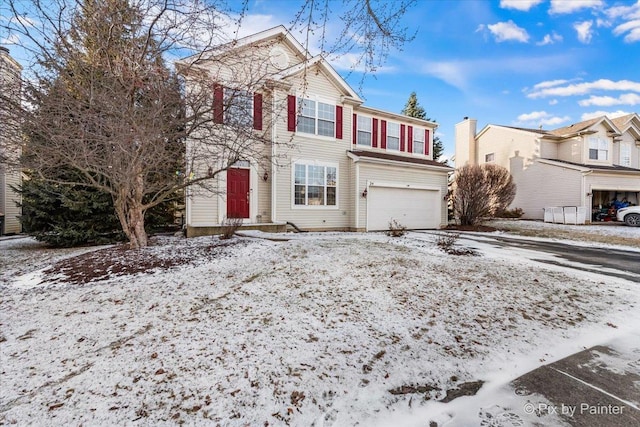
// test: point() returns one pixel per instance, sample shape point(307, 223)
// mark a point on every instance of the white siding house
point(330, 162)
point(588, 164)
point(10, 174)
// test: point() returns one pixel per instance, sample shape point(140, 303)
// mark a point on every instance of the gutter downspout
point(274, 168)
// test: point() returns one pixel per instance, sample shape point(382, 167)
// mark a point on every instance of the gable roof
point(627, 122)
point(324, 65)
point(585, 126)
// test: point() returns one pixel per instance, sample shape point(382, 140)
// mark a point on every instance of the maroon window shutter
point(402, 130)
point(291, 113)
point(218, 107)
point(383, 134)
point(426, 142)
point(354, 128)
point(257, 111)
point(374, 134)
point(410, 139)
point(338, 121)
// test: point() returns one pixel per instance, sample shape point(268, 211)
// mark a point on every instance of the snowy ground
point(332, 329)
point(607, 233)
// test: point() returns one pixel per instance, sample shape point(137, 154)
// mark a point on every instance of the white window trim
point(293, 185)
point(316, 99)
point(418, 131)
point(625, 146)
point(393, 136)
point(608, 150)
point(358, 130)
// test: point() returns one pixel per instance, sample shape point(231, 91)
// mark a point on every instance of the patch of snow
point(312, 331)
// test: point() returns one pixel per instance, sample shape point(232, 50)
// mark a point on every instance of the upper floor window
point(393, 136)
point(489, 158)
point(239, 107)
point(625, 154)
point(598, 148)
point(317, 118)
point(364, 131)
point(418, 141)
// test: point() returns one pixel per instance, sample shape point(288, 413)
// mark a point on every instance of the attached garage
point(410, 190)
point(412, 207)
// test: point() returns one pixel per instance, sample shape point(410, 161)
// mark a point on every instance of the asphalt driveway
point(600, 260)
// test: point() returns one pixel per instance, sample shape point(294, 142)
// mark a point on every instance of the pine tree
point(413, 109)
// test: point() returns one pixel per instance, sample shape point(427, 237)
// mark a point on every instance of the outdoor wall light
point(265, 177)
point(364, 193)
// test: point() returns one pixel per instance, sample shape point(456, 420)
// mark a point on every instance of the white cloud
point(550, 83)
point(608, 101)
point(550, 39)
point(451, 72)
point(610, 114)
point(584, 30)
point(545, 89)
point(570, 6)
point(523, 5)
point(507, 31)
point(628, 12)
point(633, 29)
point(540, 118)
point(553, 102)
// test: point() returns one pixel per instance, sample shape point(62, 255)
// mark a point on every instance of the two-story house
point(10, 174)
point(587, 164)
point(326, 162)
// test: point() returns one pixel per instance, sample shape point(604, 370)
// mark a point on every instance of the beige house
point(586, 164)
point(333, 163)
point(10, 174)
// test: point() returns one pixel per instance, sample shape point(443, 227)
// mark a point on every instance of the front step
point(269, 227)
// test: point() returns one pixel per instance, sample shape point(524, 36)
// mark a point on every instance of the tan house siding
point(571, 150)
point(506, 144)
point(537, 187)
point(312, 149)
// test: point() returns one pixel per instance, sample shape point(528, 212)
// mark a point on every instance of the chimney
point(465, 137)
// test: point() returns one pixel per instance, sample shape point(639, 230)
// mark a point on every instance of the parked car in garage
point(630, 215)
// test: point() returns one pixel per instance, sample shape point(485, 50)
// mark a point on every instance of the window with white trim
point(315, 185)
point(490, 157)
point(393, 136)
point(364, 131)
point(598, 148)
point(239, 107)
point(316, 118)
point(625, 154)
point(418, 141)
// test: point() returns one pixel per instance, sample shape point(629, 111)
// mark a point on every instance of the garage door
point(413, 208)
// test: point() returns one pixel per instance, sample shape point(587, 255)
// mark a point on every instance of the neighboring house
point(10, 175)
point(334, 164)
point(585, 164)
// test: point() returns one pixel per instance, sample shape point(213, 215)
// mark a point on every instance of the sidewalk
point(599, 386)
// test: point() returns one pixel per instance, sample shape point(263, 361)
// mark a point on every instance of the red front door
point(238, 193)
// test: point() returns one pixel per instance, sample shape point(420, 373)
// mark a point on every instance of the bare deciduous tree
point(101, 101)
point(481, 191)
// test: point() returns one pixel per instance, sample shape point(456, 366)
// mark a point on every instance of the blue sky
point(526, 63)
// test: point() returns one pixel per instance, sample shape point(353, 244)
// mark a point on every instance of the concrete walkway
point(597, 387)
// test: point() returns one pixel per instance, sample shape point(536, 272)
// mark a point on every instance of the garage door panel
point(412, 208)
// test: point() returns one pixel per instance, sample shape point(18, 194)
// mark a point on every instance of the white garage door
point(413, 208)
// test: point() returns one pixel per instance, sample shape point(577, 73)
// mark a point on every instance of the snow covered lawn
point(330, 329)
point(609, 233)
